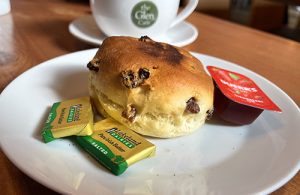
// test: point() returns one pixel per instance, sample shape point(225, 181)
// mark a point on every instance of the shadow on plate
point(217, 120)
point(73, 83)
point(67, 84)
point(37, 133)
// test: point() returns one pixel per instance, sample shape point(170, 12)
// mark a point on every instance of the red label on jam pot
point(241, 89)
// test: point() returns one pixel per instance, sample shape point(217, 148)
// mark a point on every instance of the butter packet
point(115, 146)
point(70, 117)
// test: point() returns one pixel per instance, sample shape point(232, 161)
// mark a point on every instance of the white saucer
point(85, 29)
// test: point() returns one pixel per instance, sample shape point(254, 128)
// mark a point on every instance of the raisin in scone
point(154, 88)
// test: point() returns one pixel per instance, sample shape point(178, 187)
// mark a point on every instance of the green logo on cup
point(144, 14)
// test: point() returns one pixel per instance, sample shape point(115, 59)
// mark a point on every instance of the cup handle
point(189, 8)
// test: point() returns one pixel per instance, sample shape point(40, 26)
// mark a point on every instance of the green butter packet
point(115, 146)
point(70, 117)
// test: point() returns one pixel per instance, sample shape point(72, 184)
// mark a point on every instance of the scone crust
point(175, 76)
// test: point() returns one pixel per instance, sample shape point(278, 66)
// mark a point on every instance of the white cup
point(139, 17)
point(4, 7)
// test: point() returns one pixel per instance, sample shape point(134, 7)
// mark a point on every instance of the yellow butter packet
point(70, 117)
point(115, 146)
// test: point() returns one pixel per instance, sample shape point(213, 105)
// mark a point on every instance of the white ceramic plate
point(218, 159)
point(85, 29)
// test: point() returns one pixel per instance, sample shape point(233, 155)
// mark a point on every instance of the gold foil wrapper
point(115, 146)
point(70, 117)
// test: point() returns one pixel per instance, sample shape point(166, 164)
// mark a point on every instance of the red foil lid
point(241, 89)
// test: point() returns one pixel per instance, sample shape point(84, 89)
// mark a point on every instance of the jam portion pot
point(237, 98)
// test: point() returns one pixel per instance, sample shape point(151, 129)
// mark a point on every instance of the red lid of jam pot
point(237, 98)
